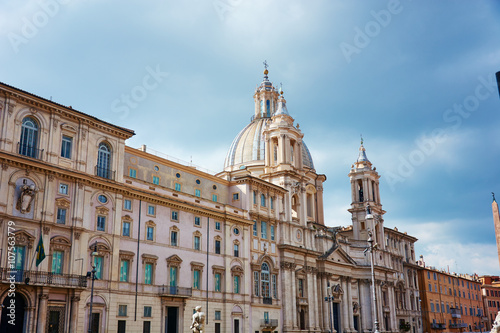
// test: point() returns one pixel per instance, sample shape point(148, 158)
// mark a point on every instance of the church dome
point(248, 147)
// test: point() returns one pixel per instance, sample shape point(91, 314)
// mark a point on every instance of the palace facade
point(248, 244)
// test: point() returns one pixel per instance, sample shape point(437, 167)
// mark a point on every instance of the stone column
point(42, 312)
point(366, 305)
point(74, 314)
point(267, 149)
point(345, 318)
point(285, 282)
point(281, 149)
point(349, 305)
point(294, 299)
point(30, 318)
point(310, 297)
point(317, 298)
point(354, 194)
point(319, 209)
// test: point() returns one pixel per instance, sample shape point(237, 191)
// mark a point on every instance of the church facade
point(248, 244)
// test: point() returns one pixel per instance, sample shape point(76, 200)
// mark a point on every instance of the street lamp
point(371, 248)
point(92, 274)
point(329, 298)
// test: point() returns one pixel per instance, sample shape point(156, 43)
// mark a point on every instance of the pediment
point(340, 256)
point(63, 202)
point(174, 259)
point(69, 128)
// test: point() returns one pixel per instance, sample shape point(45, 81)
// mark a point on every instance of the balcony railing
point(267, 300)
point(438, 326)
point(29, 151)
point(175, 291)
point(104, 173)
point(269, 323)
point(43, 278)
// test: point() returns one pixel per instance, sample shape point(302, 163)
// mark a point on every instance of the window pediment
point(237, 270)
point(149, 258)
point(218, 269)
point(23, 238)
point(127, 218)
point(197, 265)
point(68, 128)
point(102, 210)
point(101, 247)
point(127, 254)
point(174, 260)
point(63, 202)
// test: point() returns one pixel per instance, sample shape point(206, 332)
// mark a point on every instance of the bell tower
point(366, 207)
point(265, 97)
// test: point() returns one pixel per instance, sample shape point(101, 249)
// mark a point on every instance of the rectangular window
point(173, 276)
point(217, 225)
point(150, 233)
point(156, 180)
point(435, 276)
point(271, 201)
point(301, 288)
point(197, 220)
point(263, 200)
point(236, 284)
point(127, 204)
point(61, 215)
point(217, 315)
point(147, 311)
point(177, 186)
point(275, 285)
point(236, 196)
point(217, 246)
point(132, 173)
point(256, 283)
point(236, 250)
point(214, 197)
point(151, 210)
point(122, 310)
point(57, 262)
point(126, 229)
point(430, 287)
point(255, 228)
point(197, 193)
point(263, 229)
point(124, 270)
point(175, 215)
point(148, 274)
point(63, 188)
point(254, 197)
point(146, 327)
point(429, 275)
point(197, 243)
point(66, 144)
point(272, 232)
point(101, 223)
point(217, 282)
point(173, 238)
point(196, 279)
point(432, 307)
point(98, 261)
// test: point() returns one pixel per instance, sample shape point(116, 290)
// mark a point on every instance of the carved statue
point(198, 321)
point(496, 324)
point(26, 198)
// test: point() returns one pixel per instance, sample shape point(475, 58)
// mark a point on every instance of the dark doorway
point(336, 317)
point(17, 305)
point(95, 322)
point(356, 327)
point(122, 326)
point(302, 318)
point(171, 320)
point(236, 326)
point(54, 317)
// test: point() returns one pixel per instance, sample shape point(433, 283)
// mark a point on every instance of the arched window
point(104, 161)
point(268, 108)
point(264, 280)
point(28, 144)
point(295, 206)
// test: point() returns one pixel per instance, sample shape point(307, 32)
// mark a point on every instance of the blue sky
point(415, 78)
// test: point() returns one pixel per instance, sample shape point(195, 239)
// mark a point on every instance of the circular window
point(214, 187)
point(102, 199)
point(178, 175)
point(236, 231)
point(157, 168)
point(198, 181)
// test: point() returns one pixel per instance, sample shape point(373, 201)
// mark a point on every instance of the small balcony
point(29, 151)
point(104, 173)
point(43, 278)
point(455, 313)
point(175, 291)
point(268, 324)
point(438, 326)
point(267, 300)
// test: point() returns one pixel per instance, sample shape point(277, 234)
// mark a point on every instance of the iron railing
point(269, 323)
point(29, 151)
point(43, 278)
point(104, 173)
point(175, 291)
